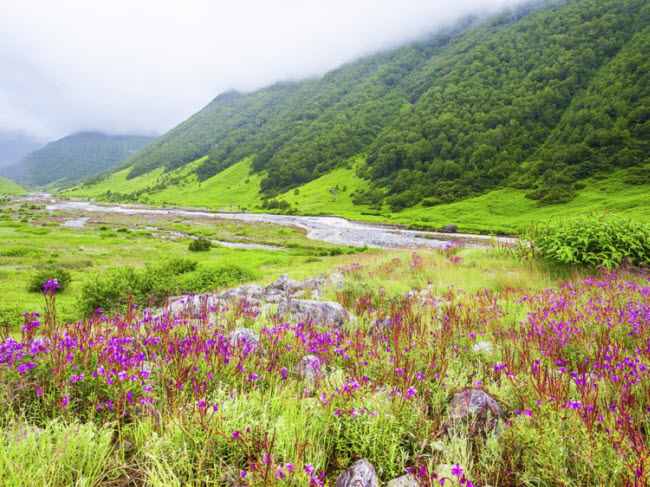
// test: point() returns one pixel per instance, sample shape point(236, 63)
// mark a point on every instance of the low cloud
point(142, 66)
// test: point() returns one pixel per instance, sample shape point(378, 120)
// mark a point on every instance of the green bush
point(36, 280)
point(150, 285)
point(200, 244)
point(213, 277)
point(593, 241)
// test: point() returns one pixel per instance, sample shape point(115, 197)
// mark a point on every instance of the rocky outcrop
point(314, 311)
point(473, 411)
point(359, 474)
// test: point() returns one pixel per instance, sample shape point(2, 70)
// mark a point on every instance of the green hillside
point(9, 187)
point(539, 105)
point(74, 158)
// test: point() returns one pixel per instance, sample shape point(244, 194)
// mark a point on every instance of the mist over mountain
point(16, 145)
point(73, 158)
point(538, 98)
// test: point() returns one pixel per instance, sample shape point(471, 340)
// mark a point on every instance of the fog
point(142, 66)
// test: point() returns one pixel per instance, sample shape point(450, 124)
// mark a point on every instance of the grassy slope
point(9, 187)
point(504, 210)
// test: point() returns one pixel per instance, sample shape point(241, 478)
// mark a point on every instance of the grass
point(9, 187)
point(504, 211)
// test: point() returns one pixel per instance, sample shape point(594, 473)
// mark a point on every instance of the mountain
point(74, 158)
point(16, 145)
point(539, 101)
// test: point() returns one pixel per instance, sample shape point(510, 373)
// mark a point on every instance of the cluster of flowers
point(583, 349)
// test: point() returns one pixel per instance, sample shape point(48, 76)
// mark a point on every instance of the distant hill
point(9, 187)
point(16, 145)
point(539, 101)
point(74, 158)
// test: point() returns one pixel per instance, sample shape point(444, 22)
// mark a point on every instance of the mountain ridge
point(478, 108)
point(73, 158)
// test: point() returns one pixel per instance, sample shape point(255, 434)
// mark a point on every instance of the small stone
point(380, 326)
point(450, 228)
point(244, 337)
point(404, 481)
point(337, 280)
point(483, 347)
point(310, 370)
point(359, 474)
point(231, 477)
point(474, 411)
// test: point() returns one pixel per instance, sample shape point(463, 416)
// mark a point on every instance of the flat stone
point(450, 228)
point(359, 474)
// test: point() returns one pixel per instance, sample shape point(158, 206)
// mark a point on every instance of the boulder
point(475, 411)
point(315, 311)
point(244, 337)
point(450, 228)
point(359, 474)
point(404, 481)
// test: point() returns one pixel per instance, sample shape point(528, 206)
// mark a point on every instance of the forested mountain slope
point(537, 99)
point(74, 158)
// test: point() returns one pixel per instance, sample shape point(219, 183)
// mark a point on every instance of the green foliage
point(200, 244)
point(212, 277)
point(150, 285)
point(36, 280)
point(593, 241)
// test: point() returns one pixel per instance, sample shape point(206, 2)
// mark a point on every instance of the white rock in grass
point(359, 474)
point(404, 481)
point(483, 347)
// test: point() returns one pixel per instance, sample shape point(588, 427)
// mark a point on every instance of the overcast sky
point(142, 66)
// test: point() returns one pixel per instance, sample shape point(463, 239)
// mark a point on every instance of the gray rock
point(404, 481)
point(337, 280)
point(380, 326)
point(473, 411)
point(483, 347)
point(251, 294)
point(284, 285)
point(244, 337)
point(314, 311)
point(450, 228)
point(310, 370)
point(359, 474)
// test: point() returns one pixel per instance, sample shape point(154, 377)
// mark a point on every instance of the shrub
point(593, 241)
point(200, 244)
point(210, 278)
point(178, 266)
point(36, 280)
